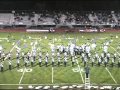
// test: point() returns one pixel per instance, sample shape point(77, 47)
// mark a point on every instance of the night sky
point(60, 4)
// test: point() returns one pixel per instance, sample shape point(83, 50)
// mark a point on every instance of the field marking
point(115, 50)
point(44, 84)
point(52, 73)
point(78, 66)
point(22, 76)
point(4, 38)
point(80, 71)
point(25, 68)
point(36, 38)
point(55, 84)
point(111, 76)
point(12, 49)
point(109, 71)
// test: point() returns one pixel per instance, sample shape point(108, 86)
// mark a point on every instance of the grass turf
point(61, 75)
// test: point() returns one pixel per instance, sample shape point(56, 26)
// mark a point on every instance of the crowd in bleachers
point(61, 17)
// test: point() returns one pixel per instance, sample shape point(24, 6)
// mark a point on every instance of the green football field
point(57, 75)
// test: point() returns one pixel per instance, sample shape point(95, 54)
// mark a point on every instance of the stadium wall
point(59, 30)
point(13, 30)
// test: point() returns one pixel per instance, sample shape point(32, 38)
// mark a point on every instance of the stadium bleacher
point(6, 18)
point(50, 18)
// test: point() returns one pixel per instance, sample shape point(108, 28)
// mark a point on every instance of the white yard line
point(109, 71)
point(80, 71)
point(36, 38)
point(25, 68)
point(107, 68)
point(115, 50)
point(52, 73)
point(4, 38)
point(111, 76)
point(54, 84)
point(11, 49)
point(43, 84)
point(22, 76)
